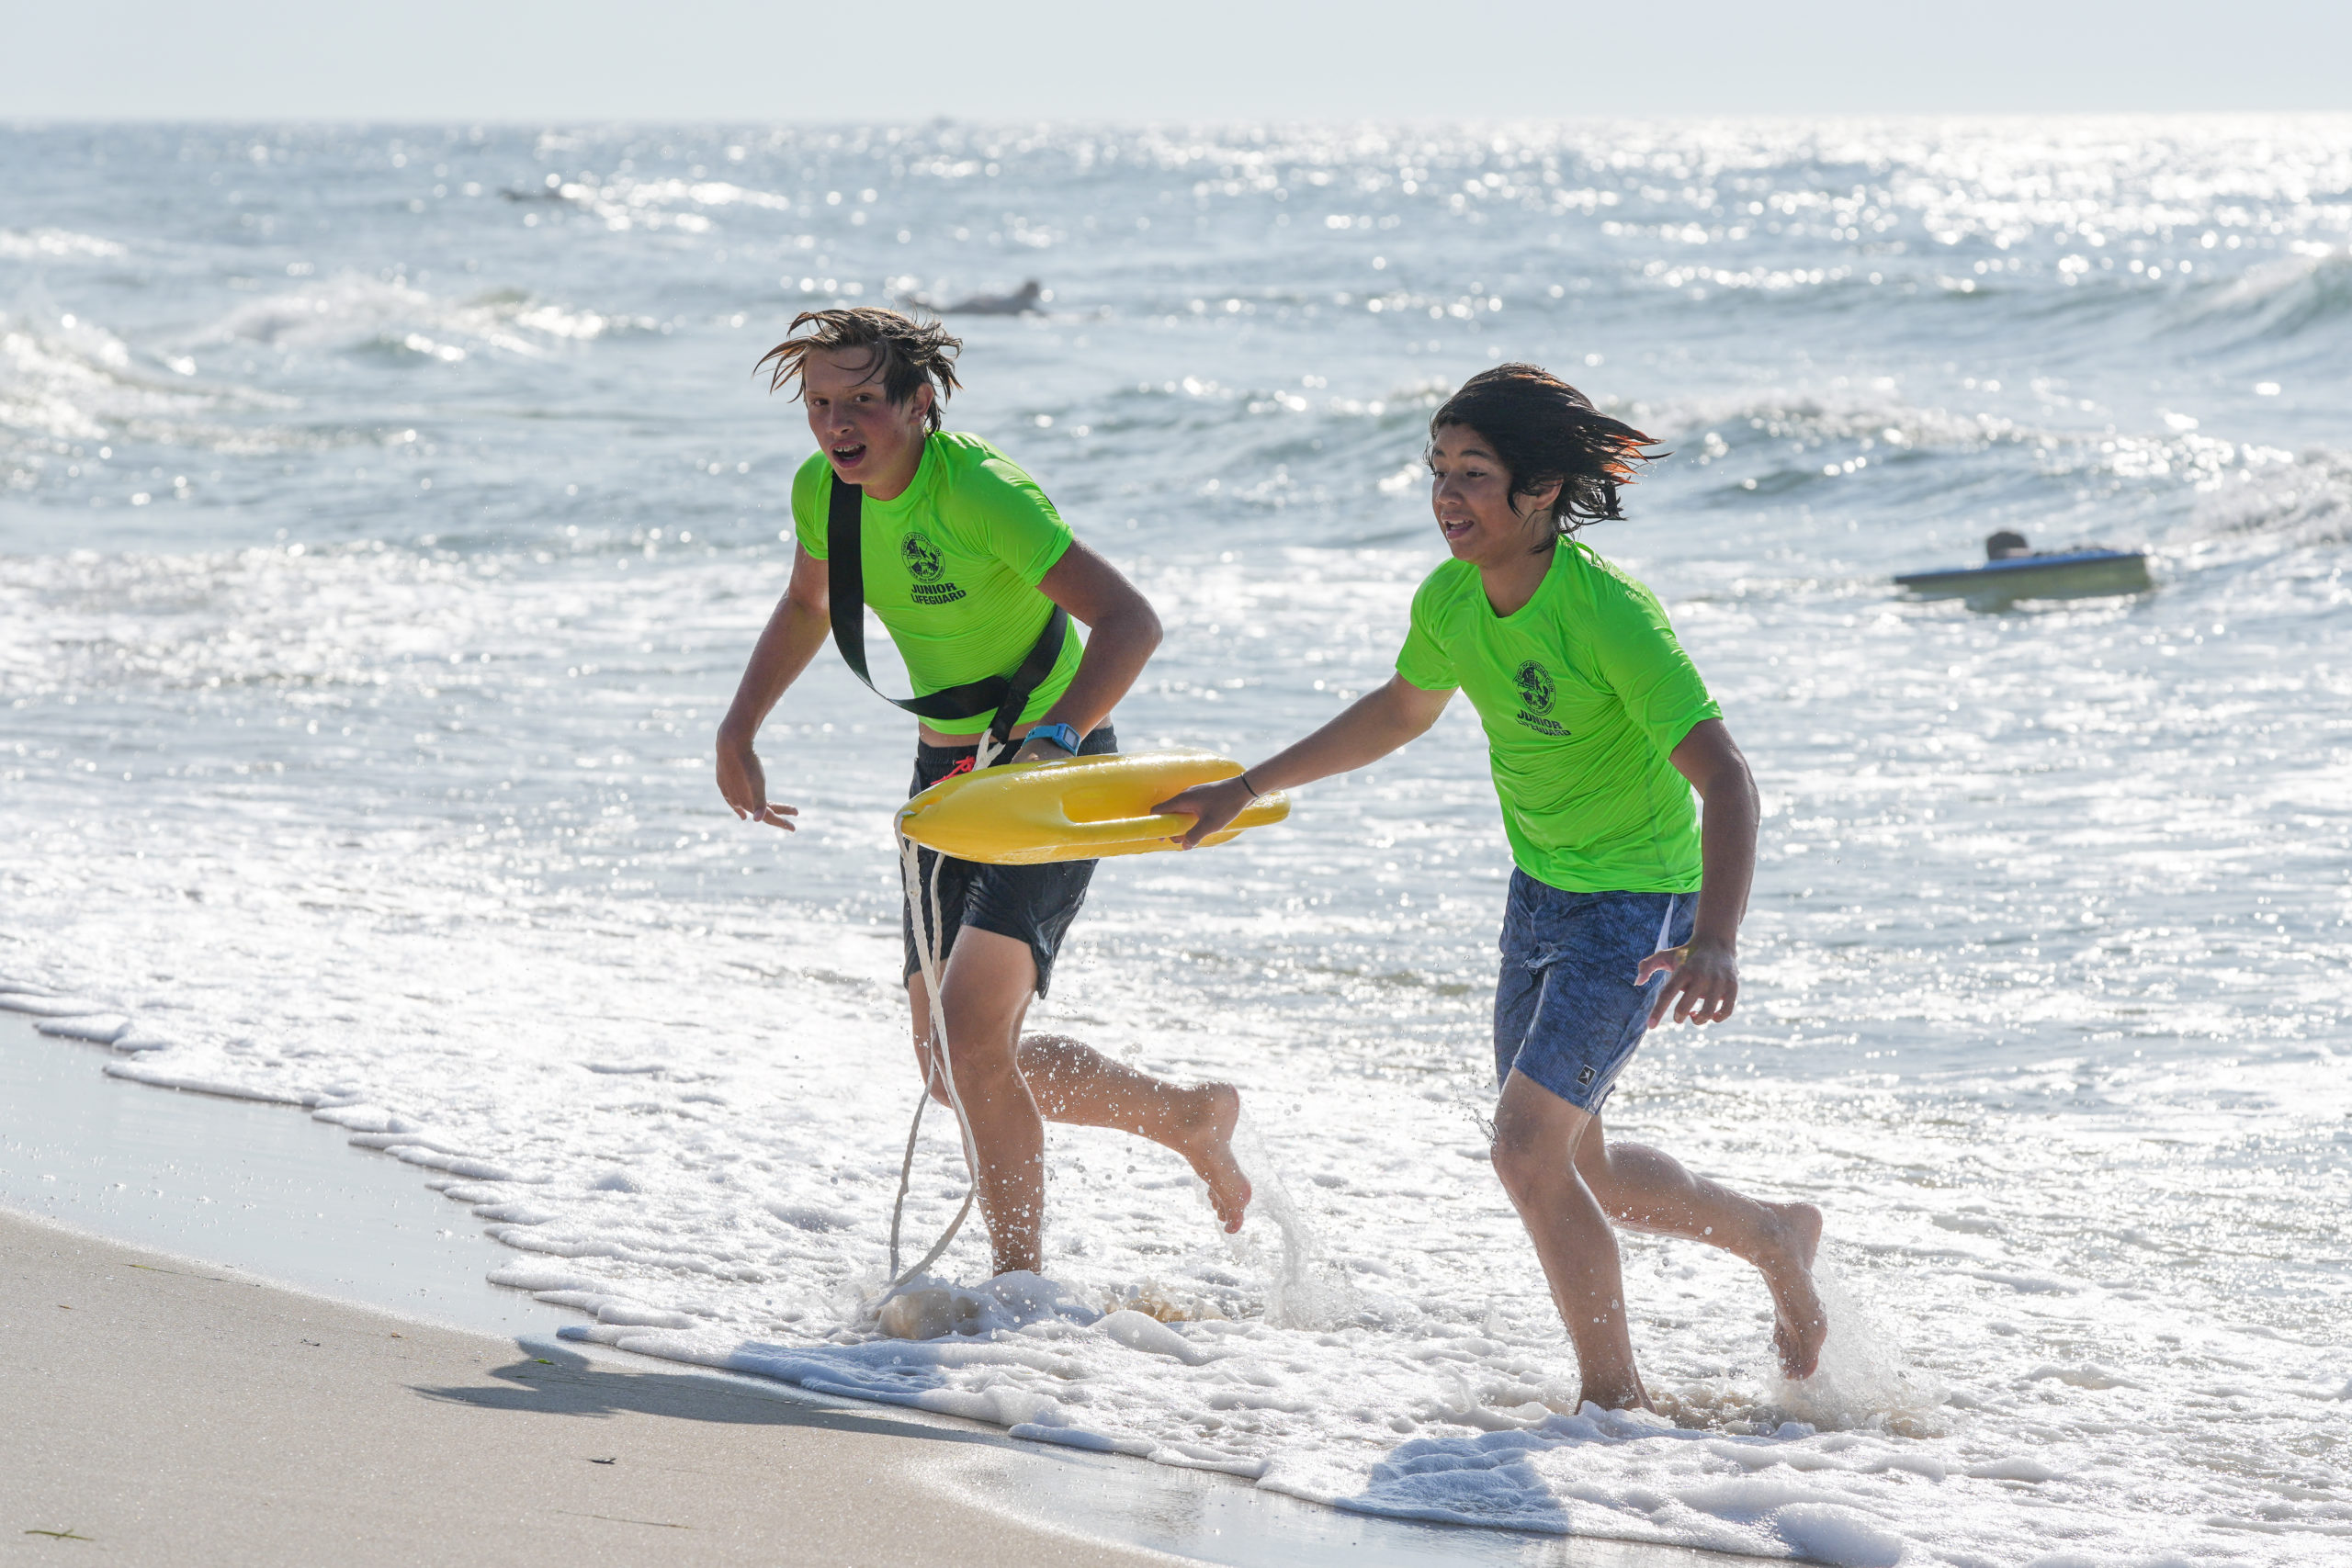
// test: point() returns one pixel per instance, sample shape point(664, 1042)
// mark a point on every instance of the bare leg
point(984, 1001)
point(1077, 1085)
point(1649, 1190)
point(1537, 1133)
point(1008, 1089)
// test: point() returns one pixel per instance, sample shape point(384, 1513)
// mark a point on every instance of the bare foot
point(930, 1312)
point(1207, 1143)
point(1800, 1324)
point(1633, 1396)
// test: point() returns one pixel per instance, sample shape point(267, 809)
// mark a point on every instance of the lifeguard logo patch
point(1536, 691)
point(921, 557)
point(921, 560)
point(1535, 688)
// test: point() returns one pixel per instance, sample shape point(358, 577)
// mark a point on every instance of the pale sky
point(1029, 60)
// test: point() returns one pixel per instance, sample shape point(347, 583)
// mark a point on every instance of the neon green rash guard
point(1583, 692)
point(951, 567)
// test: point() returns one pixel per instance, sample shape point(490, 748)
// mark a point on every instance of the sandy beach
point(171, 1413)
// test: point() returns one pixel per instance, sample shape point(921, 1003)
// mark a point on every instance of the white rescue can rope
point(923, 897)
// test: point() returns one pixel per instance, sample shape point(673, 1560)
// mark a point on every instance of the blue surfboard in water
point(2013, 571)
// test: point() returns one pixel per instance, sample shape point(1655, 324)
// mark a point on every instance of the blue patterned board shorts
point(1568, 1014)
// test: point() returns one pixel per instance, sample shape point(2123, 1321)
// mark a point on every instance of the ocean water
point(385, 516)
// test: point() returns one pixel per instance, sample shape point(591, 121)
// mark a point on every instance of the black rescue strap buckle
point(845, 587)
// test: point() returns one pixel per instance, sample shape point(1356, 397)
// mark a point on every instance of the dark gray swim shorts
point(1028, 903)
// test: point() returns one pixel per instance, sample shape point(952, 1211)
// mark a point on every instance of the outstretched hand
point(1210, 807)
point(1702, 987)
point(744, 784)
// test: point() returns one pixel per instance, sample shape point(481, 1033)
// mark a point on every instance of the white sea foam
point(103, 1029)
point(352, 310)
point(39, 1004)
point(65, 378)
point(58, 380)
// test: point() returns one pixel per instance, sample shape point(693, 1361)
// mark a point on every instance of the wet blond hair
point(908, 354)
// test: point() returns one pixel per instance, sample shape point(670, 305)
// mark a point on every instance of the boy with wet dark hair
point(1598, 729)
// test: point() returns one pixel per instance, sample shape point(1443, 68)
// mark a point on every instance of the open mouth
point(847, 457)
point(1456, 529)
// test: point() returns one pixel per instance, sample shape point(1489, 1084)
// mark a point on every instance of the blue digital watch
point(1065, 736)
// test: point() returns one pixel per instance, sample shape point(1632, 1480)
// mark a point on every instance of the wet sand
point(173, 1412)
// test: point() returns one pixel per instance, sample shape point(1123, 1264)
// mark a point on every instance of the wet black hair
point(1542, 430)
point(907, 353)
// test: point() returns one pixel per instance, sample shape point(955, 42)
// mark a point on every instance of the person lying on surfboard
point(1621, 907)
point(977, 578)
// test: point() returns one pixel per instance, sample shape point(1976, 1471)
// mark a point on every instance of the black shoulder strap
point(845, 587)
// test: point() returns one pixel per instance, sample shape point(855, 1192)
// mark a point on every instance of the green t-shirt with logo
point(951, 567)
point(1583, 692)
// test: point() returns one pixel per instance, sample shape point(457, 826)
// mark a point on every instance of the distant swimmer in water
point(965, 560)
point(1622, 908)
point(1023, 301)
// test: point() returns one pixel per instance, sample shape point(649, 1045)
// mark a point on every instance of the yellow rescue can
point(1072, 808)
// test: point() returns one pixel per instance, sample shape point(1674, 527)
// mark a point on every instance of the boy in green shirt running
point(1621, 907)
point(969, 567)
